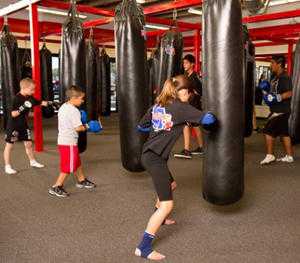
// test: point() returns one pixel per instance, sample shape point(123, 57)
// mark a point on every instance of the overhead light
point(282, 2)
point(141, 1)
point(156, 27)
point(195, 11)
point(56, 12)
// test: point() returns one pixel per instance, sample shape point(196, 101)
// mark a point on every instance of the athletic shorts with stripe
point(69, 158)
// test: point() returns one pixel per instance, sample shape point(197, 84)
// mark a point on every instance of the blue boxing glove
point(84, 118)
point(265, 86)
point(94, 126)
point(143, 129)
point(209, 121)
point(271, 98)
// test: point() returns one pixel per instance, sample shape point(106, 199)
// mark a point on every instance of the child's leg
point(29, 151)
point(61, 179)
point(80, 174)
point(199, 136)
point(7, 152)
point(30, 154)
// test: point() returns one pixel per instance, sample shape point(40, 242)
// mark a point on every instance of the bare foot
point(152, 256)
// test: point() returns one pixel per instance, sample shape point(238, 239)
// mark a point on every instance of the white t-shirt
point(69, 119)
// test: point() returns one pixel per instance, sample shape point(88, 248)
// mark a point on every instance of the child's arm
point(81, 128)
point(145, 122)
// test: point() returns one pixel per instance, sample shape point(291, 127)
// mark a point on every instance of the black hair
point(279, 59)
point(190, 58)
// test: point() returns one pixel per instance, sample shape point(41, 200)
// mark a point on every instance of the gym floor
point(105, 225)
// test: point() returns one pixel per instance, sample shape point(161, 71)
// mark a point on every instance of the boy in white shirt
point(69, 125)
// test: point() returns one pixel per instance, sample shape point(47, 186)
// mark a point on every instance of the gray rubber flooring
point(105, 225)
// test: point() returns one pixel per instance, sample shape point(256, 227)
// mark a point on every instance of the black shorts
point(277, 126)
point(12, 136)
point(157, 167)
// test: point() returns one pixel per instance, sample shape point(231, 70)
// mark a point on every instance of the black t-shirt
point(195, 83)
point(20, 123)
point(281, 84)
point(167, 125)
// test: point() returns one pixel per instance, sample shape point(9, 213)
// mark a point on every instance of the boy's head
point(75, 95)
point(277, 63)
point(27, 87)
point(189, 63)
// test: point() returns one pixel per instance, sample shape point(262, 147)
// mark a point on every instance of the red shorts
point(69, 158)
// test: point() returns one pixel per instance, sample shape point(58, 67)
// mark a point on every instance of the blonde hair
point(25, 83)
point(74, 92)
point(170, 89)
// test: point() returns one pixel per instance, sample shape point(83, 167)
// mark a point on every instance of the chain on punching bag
point(131, 81)
point(170, 56)
point(72, 61)
point(104, 83)
point(249, 81)
point(294, 121)
point(9, 83)
point(223, 180)
point(92, 100)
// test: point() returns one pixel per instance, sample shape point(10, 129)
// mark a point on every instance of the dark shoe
point(185, 154)
point(86, 184)
point(58, 191)
point(198, 151)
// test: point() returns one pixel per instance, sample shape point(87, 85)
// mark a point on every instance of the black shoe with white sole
point(86, 184)
point(58, 191)
point(198, 151)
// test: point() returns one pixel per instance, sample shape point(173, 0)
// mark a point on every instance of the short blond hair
point(25, 83)
point(74, 92)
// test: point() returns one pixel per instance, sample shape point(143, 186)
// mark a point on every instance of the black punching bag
point(170, 56)
point(92, 94)
point(131, 81)
point(105, 83)
point(72, 61)
point(26, 68)
point(223, 180)
point(294, 121)
point(249, 81)
point(46, 74)
point(9, 84)
point(72, 54)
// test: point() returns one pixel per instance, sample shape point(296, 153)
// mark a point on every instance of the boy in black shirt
point(195, 101)
point(17, 128)
point(279, 101)
point(165, 122)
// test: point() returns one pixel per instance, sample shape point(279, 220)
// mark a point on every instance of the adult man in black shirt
point(279, 101)
point(195, 101)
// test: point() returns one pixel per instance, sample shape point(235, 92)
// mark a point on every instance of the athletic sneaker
point(198, 151)
point(286, 159)
point(186, 154)
point(9, 170)
point(36, 164)
point(268, 159)
point(58, 191)
point(86, 184)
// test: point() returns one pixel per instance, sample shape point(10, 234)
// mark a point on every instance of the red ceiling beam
point(97, 22)
point(272, 16)
point(169, 22)
point(159, 8)
point(80, 8)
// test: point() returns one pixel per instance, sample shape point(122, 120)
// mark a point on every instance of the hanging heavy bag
point(104, 83)
point(46, 74)
point(249, 81)
point(131, 81)
point(223, 179)
point(26, 68)
point(294, 121)
point(170, 56)
point(72, 61)
point(92, 94)
point(9, 83)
